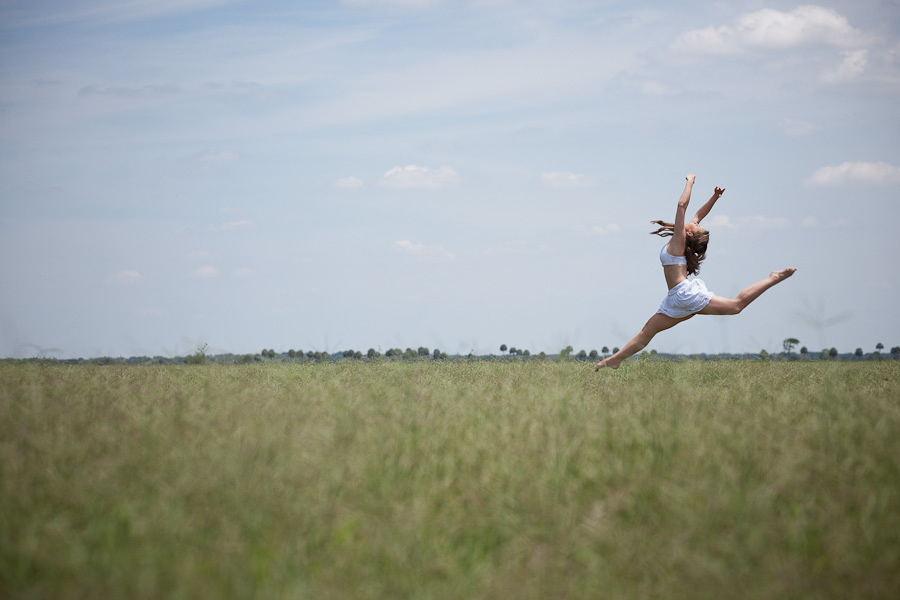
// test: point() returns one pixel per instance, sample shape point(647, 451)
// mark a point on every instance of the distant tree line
point(201, 356)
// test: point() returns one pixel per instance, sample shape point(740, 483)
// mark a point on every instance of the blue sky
point(460, 174)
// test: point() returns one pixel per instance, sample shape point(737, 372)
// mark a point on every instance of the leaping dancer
point(681, 257)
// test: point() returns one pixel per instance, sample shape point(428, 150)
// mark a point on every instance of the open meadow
point(451, 479)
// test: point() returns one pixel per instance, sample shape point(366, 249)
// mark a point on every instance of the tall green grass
point(451, 480)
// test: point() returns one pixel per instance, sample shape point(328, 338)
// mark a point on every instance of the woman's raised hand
point(690, 178)
point(719, 191)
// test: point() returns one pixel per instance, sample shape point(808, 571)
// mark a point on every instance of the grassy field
point(454, 480)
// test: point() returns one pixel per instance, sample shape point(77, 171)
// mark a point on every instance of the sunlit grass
point(451, 480)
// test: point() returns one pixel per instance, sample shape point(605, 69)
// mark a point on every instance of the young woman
point(681, 257)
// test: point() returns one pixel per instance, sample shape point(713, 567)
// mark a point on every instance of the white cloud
point(861, 172)
point(748, 222)
point(207, 272)
point(410, 247)
point(562, 180)
point(129, 277)
point(435, 253)
point(606, 229)
point(770, 28)
point(349, 183)
point(413, 177)
point(852, 66)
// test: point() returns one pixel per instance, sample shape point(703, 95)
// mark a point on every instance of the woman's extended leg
point(656, 323)
point(732, 306)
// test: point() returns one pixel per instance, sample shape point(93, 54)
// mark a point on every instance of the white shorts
point(685, 299)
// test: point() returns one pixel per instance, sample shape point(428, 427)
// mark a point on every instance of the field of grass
point(444, 480)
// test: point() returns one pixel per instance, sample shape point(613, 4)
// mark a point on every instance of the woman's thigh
point(660, 322)
point(720, 306)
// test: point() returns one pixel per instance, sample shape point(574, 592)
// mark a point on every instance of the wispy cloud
point(771, 28)
point(348, 183)
point(860, 172)
point(748, 222)
point(606, 229)
point(797, 128)
point(207, 272)
point(127, 277)
point(415, 177)
point(850, 68)
point(436, 253)
point(563, 180)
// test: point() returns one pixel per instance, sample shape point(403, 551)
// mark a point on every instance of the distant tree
point(410, 354)
point(566, 352)
point(804, 351)
point(542, 356)
point(879, 347)
point(593, 354)
point(895, 350)
point(372, 353)
point(763, 354)
point(437, 354)
point(199, 357)
point(292, 354)
point(526, 353)
point(503, 348)
point(789, 344)
point(615, 350)
point(833, 352)
point(582, 355)
point(423, 351)
point(858, 353)
point(604, 350)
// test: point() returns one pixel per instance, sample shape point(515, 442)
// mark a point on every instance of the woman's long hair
point(694, 245)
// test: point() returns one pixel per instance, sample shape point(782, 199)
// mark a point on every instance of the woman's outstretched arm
point(676, 244)
point(704, 210)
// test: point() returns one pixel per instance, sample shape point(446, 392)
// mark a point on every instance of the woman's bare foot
point(606, 362)
point(782, 274)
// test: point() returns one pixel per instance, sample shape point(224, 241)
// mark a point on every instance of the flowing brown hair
point(694, 245)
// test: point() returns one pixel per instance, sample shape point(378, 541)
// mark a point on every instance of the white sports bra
point(667, 259)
